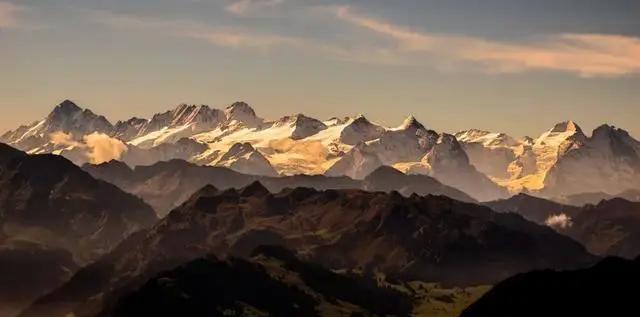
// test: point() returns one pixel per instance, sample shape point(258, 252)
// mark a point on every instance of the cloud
point(588, 55)
point(559, 221)
point(240, 7)
point(64, 139)
point(8, 15)
point(234, 38)
point(97, 147)
point(103, 148)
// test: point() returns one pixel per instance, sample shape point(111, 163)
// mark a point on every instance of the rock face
point(47, 199)
point(167, 184)
point(430, 238)
point(602, 290)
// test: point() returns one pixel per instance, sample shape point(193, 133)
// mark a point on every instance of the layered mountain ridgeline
point(47, 199)
point(272, 282)
point(165, 185)
point(606, 289)
point(561, 162)
point(55, 217)
point(611, 227)
point(538, 210)
point(237, 138)
point(596, 197)
point(28, 271)
point(417, 238)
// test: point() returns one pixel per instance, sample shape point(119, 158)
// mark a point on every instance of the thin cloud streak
point(240, 7)
point(234, 38)
point(588, 55)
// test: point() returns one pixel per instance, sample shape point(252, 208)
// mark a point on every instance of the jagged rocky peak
point(255, 189)
point(305, 126)
point(384, 172)
point(240, 149)
point(127, 130)
point(68, 117)
point(487, 138)
point(244, 158)
point(566, 126)
point(447, 153)
point(240, 111)
point(411, 123)
point(65, 108)
point(609, 131)
point(199, 114)
point(360, 130)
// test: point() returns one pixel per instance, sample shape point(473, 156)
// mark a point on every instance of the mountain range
point(165, 185)
point(416, 238)
point(55, 218)
point(606, 289)
point(203, 211)
point(560, 162)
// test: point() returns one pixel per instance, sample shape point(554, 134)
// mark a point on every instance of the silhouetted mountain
point(611, 227)
point(273, 282)
point(596, 197)
point(47, 199)
point(606, 289)
point(532, 208)
point(29, 270)
point(425, 238)
point(165, 185)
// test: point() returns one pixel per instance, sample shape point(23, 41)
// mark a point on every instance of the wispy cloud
point(589, 55)
point(241, 7)
point(8, 14)
point(235, 38)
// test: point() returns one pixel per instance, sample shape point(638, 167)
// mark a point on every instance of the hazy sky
point(514, 66)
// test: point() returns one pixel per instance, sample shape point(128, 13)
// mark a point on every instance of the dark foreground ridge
point(416, 238)
point(606, 289)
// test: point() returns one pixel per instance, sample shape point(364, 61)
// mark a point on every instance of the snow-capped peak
point(202, 114)
point(360, 129)
point(244, 158)
point(486, 138)
point(70, 118)
point(410, 123)
point(560, 133)
point(241, 112)
point(566, 126)
point(65, 108)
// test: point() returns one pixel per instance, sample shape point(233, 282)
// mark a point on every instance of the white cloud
point(240, 7)
point(588, 55)
point(103, 148)
point(97, 147)
point(8, 15)
point(234, 38)
point(559, 221)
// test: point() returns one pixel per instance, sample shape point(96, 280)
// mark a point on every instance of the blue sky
point(512, 66)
